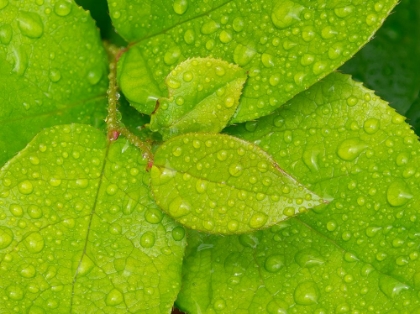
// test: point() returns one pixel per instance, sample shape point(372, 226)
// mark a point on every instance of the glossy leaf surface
point(79, 231)
point(286, 46)
point(203, 96)
point(220, 184)
point(357, 254)
point(52, 70)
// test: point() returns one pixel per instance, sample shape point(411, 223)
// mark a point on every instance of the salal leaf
point(79, 231)
point(357, 254)
point(220, 184)
point(286, 46)
point(203, 96)
point(389, 64)
point(52, 70)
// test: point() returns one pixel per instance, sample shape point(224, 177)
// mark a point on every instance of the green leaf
point(52, 70)
point(79, 231)
point(220, 184)
point(203, 96)
point(389, 64)
point(357, 254)
point(286, 46)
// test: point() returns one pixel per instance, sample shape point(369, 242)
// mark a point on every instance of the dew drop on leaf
point(274, 263)
point(147, 240)
point(30, 24)
point(242, 55)
point(189, 36)
point(34, 242)
point(371, 126)
point(235, 170)
point(172, 55)
point(35, 212)
point(180, 6)
point(277, 307)
point(25, 187)
point(54, 75)
point(6, 34)
point(62, 8)
point(309, 258)
point(15, 292)
point(306, 293)
point(390, 286)
point(114, 297)
point(398, 193)
point(178, 233)
point(258, 220)
point(350, 149)
point(343, 12)
point(286, 13)
point(28, 271)
point(16, 210)
point(94, 76)
point(153, 215)
point(6, 237)
point(178, 207)
point(86, 265)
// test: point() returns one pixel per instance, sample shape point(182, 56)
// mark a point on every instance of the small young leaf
point(79, 232)
point(53, 70)
point(203, 96)
point(220, 184)
point(285, 45)
point(343, 141)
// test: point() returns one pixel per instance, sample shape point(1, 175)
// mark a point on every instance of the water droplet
point(286, 13)
point(62, 8)
point(111, 189)
point(371, 19)
point(114, 297)
point(85, 266)
point(242, 55)
point(28, 271)
point(274, 263)
point(179, 207)
point(335, 51)
point(343, 11)
point(310, 158)
point(222, 155)
point(35, 212)
point(238, 24)
point(249, 240)
point(94, 76)
point(398, 193)
point(318, 67)
point(16, 210)
point(30, 24)
point(54, 75)
point(308, 33)
point(258, 220)
point(34, 242)
point(180, 6)
point(189, 36)
point(267, 60)
point(307, 59)
point(153, 215)
point(390, 286)
point(219, 304)
point(274, 79)
point(350, 149)
point(309, 258)
point(54, 182)
point(306, 293)
point(372, 231)
point(235, 170)
point(277, 307)
point(172, 55)
point(6, 237)
point(328, 32)
point(15, 292)
point(233, 225)
point(200, 186)
point(82, 183)
point(225, 37)
point(25, 187)
point(116, 14)
point(187, 76)
point(3, 4)
point(173, 83)
point(209, 27)
point(178, 233)
point(6, 34)
point(371, 126)
point(402, 159)
point(147, 240)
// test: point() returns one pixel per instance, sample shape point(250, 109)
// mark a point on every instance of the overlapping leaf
point(203, 96)
point(52, 70)
point(79, 231)
point(285, 45)
point(359, 253)
point(220, 184)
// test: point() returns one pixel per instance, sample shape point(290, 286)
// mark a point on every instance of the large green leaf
point(79, 232)
point(285, 45)
point(389, 64)
point(220, 184)
point(359, 253)
point(203, 96)
point(52, 70)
